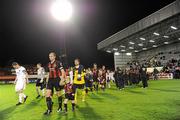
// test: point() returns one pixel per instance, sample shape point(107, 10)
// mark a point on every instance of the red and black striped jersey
point(54, 69)
point(68, 88)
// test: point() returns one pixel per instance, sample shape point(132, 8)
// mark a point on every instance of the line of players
point(66, 85)
point(131, 76)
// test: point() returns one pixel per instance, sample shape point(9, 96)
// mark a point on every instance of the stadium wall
point(122, 59)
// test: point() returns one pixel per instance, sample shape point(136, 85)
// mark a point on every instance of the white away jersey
point(21, 73)
point(41, 73)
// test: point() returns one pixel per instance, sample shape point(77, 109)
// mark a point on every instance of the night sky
point(28, 32)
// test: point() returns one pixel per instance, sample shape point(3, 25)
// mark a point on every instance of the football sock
point(65, 107)
point(60, 101)
point(49, 103)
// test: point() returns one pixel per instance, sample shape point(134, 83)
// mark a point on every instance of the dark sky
point(28, 32)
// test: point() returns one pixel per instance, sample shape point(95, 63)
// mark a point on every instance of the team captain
point(55, 70)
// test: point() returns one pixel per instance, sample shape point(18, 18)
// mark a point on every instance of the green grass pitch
point(161, 101)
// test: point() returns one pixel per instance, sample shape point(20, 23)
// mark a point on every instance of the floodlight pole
point(55, 9)
point(65, 48)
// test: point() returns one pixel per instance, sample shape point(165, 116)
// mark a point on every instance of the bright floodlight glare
point(165, 36)
point(142, 38)
point(131, 48)
point(154, 46)
point(151, 41)
point(132, 43)
point(136, 51)
point(62, 10)
point(115, 49)
point(155, 33)
point(116, 53)
point(144, 48)
point(140, 44)
point(128, 54)
point(108, 51)
point(166, 42)
point(123, 46)
point(174, 28)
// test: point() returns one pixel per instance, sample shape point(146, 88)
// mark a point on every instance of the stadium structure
point(155, 36)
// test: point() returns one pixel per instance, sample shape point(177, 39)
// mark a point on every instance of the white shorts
point(20, 85)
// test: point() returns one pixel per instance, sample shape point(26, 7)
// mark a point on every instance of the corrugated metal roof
point(157, 17)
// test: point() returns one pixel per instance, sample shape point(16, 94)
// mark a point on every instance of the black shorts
point(41, 85)
point(54, 83)
point(88, 84)
point(77, 86)
point(38, 84)
point(69, 96)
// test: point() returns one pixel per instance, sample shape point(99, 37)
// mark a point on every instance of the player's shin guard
point(49, 103)
point(60, 102)
point(65, 107)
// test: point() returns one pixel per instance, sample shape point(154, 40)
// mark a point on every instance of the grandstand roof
point(157, 29)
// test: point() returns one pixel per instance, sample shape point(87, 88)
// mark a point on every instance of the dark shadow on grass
point(73, 118)
point(66, 116)
point(136, 92)
point(96, 97)
point(4, 113)
point(109, 96)
point(165, 90)
point(46, 117)
point(88, 112)
point(32, 104)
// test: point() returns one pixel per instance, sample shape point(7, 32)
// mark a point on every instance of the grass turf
point(161, 101)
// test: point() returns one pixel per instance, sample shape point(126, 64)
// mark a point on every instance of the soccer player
point(143, 76)
point(101, 79)
point(155, 74)
point(119, 78)
point(20, 82)
point(69, 95)
point(56, 74)
point(136, 77)
point(111, 74)
point(131, 75)
point(78, 81)
point(95, 77)
point(88, 81)
point(108, 79)
point(40, 83)
point(104, 75)
point(126, 77)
